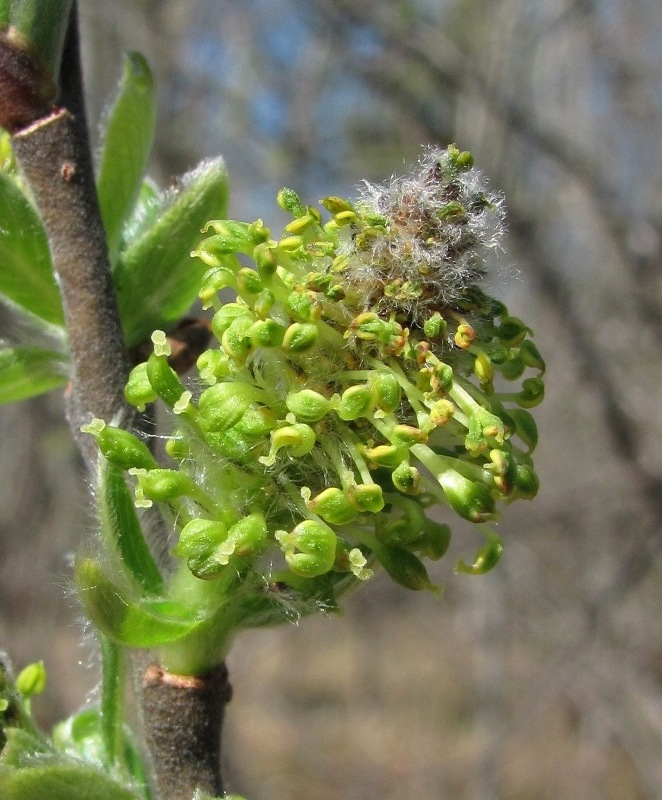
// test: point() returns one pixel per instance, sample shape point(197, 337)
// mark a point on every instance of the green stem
point(112, 700)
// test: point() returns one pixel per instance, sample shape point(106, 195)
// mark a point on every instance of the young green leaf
point(29, 371)
point(127, 141)
point(60, 782)
point(121, 528)
point(126, 621)
point(155, 278)
point(26, 271)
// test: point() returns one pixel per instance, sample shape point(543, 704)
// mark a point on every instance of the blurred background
point(543, 679)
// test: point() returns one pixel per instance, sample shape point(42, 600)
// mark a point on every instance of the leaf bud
point(300, 336)
point(357, 401)
point(308, 405)
point(222, 405)
point(310, 548)
point(119, 446)
point(138, 390)
point(31, 680)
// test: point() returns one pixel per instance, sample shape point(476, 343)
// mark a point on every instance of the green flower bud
point(404, 567)
point(310, 548)
point(249, 281)
point(248, 536)
point(290, 201)
point(300, 336)
point(436, 539)
point(213, 366)
point(236, 341)
point(301, 224)
point(336, 205)
point(512, 331)
point(290, 244)
point(485, 430)
point(256, 421)
point(464, 336)
point(214, 281)
point(162, 485)
point(526, 482)
point(334, 506)
point(164, 380)
point(357, 401)
point(366, 497)
point(386, 455)
point(266, 333)
point(308, 405)
point(138, 390)
point(119, 446)
point(265, 260)
point(31, 680)
point(369, 327)
point(530, 355)
point(452, 211)
point(226, 315)
point(298, 440)
point(301, 305)
point(408, 434)
point(435, 327)
point(264, 302)
point(512, 368)
point(199, 542)
point(387, 391)
point(222, 405)
point(483, 369)
point(486, 558)
point(532, 394)
point(406, 478)
point(503, 468)
point(442, 412)
point(471, 500)
point(464, 161)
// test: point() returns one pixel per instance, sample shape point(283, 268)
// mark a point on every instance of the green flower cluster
point(360, 378)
